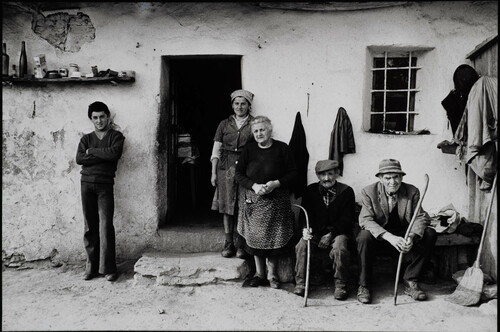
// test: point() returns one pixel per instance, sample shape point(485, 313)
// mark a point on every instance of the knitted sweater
point(100, 163)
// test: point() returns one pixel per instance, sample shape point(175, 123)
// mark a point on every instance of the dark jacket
point(301, 156)
point(342, 138)
point(338, 217)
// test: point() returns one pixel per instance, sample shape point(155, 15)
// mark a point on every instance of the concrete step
point(190, 239)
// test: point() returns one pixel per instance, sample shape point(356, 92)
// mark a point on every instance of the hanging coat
point(342, 138)
point(477, 131)
point(299, 151)
point(454, 105)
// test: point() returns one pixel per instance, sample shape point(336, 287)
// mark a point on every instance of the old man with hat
point(330, 206)
point(387, 209)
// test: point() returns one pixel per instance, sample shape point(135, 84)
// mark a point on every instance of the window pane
point(397, 62)
point(378, 80)
point(413, 61)
point(413, 79)
point(412, 101)
point(411, 120)
point(378, 62)
point(396, 102)
point(395, 122)
point(397, 79)
point(377, 102)
point(376, 123)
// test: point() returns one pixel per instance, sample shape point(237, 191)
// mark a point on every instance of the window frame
point(412, 108)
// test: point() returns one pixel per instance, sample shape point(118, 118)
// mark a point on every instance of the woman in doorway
point(231, 136)
point(265, 171)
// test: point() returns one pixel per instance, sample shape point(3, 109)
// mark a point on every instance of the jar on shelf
point(73, 68)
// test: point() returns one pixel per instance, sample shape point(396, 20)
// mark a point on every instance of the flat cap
point(326, 165)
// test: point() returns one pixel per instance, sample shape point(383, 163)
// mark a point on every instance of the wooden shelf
point(66, 80)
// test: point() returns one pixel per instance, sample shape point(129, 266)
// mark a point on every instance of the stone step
point(190, 239)
point(188, 269)
point(191, 269)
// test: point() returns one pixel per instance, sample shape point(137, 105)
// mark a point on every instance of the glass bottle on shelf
point(23, 62)
point(5, 61)
point(14, 71)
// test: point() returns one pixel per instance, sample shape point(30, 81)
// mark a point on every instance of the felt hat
point(242, 93)
point(326, 165)
point(389, 166)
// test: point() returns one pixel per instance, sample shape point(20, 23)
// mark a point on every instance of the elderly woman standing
point(231, 136)
point(266, 172)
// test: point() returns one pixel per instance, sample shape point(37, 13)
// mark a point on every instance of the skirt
point(265, 222)
point(226, 191)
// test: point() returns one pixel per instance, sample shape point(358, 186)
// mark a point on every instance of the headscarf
point(242, 93)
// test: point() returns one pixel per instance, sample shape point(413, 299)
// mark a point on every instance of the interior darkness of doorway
point(198, 99)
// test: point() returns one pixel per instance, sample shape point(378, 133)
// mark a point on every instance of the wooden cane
point(400, 260)
point(306, 290)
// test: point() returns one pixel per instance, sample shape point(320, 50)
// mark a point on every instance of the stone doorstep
point(194, 269)
point(189, 239)
point(188, 269)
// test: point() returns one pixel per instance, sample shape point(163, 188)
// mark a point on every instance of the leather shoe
point(364, 295)
point(274, 283)
point(299, 290)
point(89, 276)
point(340, 293)
point(412, 289)
point(258, 281)
point(111, 277)
point(229, 249)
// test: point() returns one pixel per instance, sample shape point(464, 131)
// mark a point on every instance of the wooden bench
point(453, 252)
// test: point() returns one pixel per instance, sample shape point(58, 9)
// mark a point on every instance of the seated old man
point(330, 206)
point(387, 209)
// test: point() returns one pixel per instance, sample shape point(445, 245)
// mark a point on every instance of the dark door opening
point(195, 97)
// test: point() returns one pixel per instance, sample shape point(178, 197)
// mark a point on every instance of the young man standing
point(98, 153)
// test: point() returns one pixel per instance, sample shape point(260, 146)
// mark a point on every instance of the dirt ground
point(45, 298)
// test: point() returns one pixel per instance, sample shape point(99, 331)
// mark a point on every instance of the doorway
point(194, 98)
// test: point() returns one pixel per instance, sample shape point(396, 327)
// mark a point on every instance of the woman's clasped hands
point(262, 189)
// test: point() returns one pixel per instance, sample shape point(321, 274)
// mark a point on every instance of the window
point(393, 92)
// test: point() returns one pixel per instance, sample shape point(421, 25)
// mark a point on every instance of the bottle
point(14, 71)
point(23, 62)
point(5, 61)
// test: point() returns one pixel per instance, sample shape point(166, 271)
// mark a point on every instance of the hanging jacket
point(454, 105)
point(299, 151)
point(341, 139)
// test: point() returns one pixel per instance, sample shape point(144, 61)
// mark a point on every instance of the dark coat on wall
point(341, 139)
point(299, 151)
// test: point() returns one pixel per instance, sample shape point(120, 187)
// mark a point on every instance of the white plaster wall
point(286, 55)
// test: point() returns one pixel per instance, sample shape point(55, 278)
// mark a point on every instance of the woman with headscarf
point(231, 136)
point(266, 173)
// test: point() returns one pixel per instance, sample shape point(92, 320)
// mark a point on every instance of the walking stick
point(419, 204)
point(306, 291)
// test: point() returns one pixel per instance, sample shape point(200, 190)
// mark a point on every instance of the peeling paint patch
point(58, 137)
point(64, 31)
point(71, 166)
